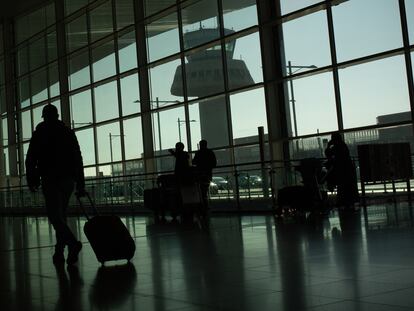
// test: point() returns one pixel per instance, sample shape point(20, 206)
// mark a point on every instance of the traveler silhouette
point(341, 172)
point(54, 161)
point(182, 161)
point(204, 161)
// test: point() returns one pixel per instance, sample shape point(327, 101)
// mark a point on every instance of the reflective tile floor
point(244, 263)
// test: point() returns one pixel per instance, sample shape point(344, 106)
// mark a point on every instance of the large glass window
point(103, 61)
point(378, 31)
point(51, 46)
point(162, 37)
point(79, 74)
point(372, 90)
point(106, 102)
point(22, 60)
point(77, 35)
point(288, 6)
point(26, 125)
point(152, 7)
point(109, 143)
point(87, 146)
point(24, 92)
point(5, 132)
point(39, 86)
point(81, 109)
point(244, 65)
point(409, 8)
point(312, 106)
point(239, 15)
point(200, 23)
point(306, 42)
point(37, 52)
point(74, 5)
point(130, 95)
point(124, 13)
point(127, 50)
point(208, 120)
point(166, 83)
point(204, 71)
point(101, 21)
point(54, 86)
point(133, 139)
point(248, 112)
point(169, 128)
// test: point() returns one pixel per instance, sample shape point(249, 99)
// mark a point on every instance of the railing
point(238, 187)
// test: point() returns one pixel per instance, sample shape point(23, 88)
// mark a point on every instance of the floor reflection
point(243, 263)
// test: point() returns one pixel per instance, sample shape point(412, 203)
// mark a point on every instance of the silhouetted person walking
point(341, 172)
point(54, 161)
point(204, 160)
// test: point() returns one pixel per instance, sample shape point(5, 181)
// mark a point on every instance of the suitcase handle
point(83, 206)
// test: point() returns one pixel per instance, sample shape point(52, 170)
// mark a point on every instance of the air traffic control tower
point(205, 76)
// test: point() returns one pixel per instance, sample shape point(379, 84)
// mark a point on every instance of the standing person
point(342, 172)
point(182, 161)
point(54, 161)
point(205, 160)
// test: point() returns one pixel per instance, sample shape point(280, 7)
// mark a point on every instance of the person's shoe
point(74, 250)
point(58, 257)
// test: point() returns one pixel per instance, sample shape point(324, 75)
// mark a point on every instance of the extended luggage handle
point(83, 206)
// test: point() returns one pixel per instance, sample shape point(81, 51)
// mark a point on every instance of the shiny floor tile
point(242, 263)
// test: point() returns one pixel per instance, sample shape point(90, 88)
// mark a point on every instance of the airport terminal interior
point(266, 83)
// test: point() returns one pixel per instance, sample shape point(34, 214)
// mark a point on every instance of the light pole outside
point(111, 136)
point(292, 94)
point(179, 126)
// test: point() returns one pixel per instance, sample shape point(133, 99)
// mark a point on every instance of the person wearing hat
point(54, 162)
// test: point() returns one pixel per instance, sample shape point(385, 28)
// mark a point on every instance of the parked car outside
point(221, 182)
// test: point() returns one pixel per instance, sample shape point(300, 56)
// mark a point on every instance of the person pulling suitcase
point(54, 162)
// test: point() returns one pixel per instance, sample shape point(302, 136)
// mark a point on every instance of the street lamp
point(157, 105)
point(179, 126)
point(290, 66)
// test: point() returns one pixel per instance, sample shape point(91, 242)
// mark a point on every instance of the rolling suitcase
point(109, 238)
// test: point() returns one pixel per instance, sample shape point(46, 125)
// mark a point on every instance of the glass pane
point(133, 139)
point(26, 125)
point(200, 24)
point(163, 37)
point(166, 83)
point(312, 106)
point(152, 7)
point(409, 8)
point(169, 127)
point(248, 111)
point(101, 21)
point(288, 6)
point(81, 107)
point(37, 51)
point(89, 171)
point(244, 61)
point(103, 61)
point(239, 15)
point(39, 86)
point(5, 131)
point(310, 147)
point(130, 95)
point(204, 72)
point(24, 93)
point(74, 5)
point(3, 106)
point(54, 87)
point(87, 146)
point(51, 46)
point(302, 34)
point(77, 35)
point(6, 161)
point(372, 90)
point(2, 81)
point(106, 102)
point(22, 60)
point(210, 118)
point(124, 13)
point(109, 142)
point(367, 34)
point(79, 74)
point(127, 52)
